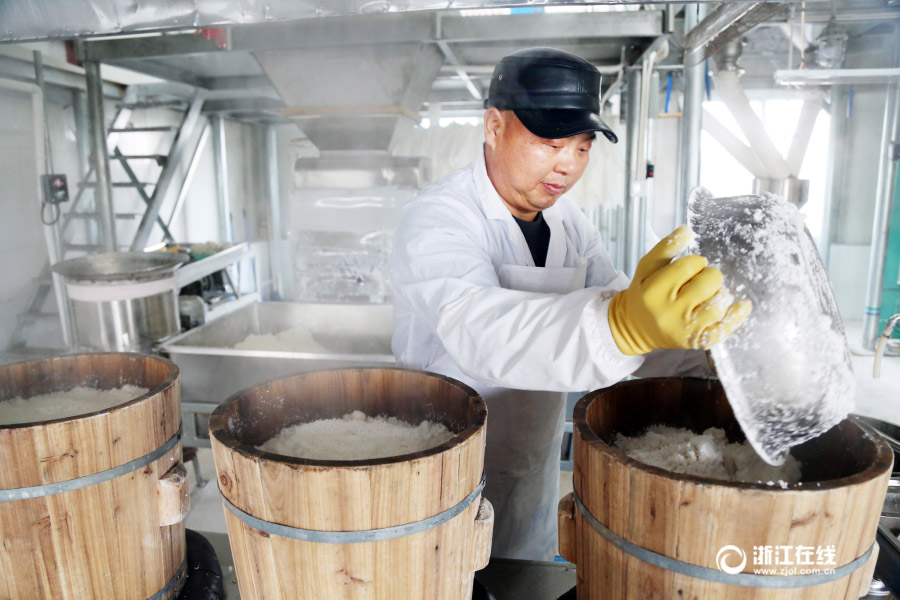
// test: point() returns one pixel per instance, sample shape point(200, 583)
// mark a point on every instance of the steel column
point(835, 171)
point(82, 132)
point(270, 144)
point(220, 162)
point(103, 189)
point(632, 231)
point(45, 164)
point(692, 119)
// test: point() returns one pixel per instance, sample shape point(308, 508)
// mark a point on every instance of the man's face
point(530, 173)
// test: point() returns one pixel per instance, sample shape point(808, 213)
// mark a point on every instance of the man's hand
point(673, 304)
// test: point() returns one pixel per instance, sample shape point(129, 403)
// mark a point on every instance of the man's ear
point(493, 125)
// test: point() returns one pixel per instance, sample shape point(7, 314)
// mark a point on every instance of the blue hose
point(668, 91)
point(706, 75)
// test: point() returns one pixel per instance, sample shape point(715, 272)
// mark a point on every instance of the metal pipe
point(52, 229)
point(620, 237)
point(100, 153)
point(835, 169)
point(704, 30)
point(812, 102)
point(882, 221)
point(220, 163)
point(39, 79)
point(732, 94)
point(631, 238)
point(82, 132)
point(669, 21)
point(692, 119)
point(270, 142)
point(733, 145)
point(882, 343)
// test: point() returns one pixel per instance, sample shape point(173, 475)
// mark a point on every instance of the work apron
point(524, 437)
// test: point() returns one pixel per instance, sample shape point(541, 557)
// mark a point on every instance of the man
point(501, 282)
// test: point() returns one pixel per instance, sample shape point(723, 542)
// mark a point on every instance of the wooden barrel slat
point(846, 472)
point(436, 564)
point(104, 540)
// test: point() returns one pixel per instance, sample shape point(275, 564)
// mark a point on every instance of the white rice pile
point(296, 339)
point(71, 403)
point(708, 454)
point(356, 436)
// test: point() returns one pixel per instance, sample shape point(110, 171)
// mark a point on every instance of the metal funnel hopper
point(353, 97)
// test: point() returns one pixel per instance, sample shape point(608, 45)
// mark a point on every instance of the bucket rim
point(170, 380)
point(882, 463)
point(218, 425)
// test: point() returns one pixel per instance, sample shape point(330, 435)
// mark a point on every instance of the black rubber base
point(888, 567)
point(479, 592)
point(204, 575)
point(570, 595)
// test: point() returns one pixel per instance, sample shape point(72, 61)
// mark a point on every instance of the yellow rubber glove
point(673, 304)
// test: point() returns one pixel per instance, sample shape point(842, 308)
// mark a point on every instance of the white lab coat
point(469, 303)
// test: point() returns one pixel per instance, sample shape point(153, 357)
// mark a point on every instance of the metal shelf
point(199, 269)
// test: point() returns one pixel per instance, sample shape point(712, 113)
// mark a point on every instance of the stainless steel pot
point(123, 301)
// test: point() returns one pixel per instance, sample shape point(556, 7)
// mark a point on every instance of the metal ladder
point(185, 140)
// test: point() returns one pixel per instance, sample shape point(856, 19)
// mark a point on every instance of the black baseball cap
point(554, 94)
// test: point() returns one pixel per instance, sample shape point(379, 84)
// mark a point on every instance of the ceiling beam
point(541, 26)
point(384, 29)
point(149, 46)
point(229, 105)
point(17, 64)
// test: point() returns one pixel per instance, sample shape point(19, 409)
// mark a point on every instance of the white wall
point(21, 237)
point(23, 250)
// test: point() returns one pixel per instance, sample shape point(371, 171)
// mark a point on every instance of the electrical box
point(56, 189)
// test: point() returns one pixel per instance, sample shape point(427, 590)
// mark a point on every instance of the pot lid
point(121, 266)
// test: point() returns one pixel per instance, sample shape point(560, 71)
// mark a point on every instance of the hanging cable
point(54, 209)
point(55, 213)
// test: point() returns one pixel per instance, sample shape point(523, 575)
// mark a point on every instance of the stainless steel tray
point(212, 369)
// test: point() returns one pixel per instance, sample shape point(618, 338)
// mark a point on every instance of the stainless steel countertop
point(506, 579)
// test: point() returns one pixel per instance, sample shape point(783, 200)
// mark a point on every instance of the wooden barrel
point(411, 526)
point(638, 532)
point(92, 506)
